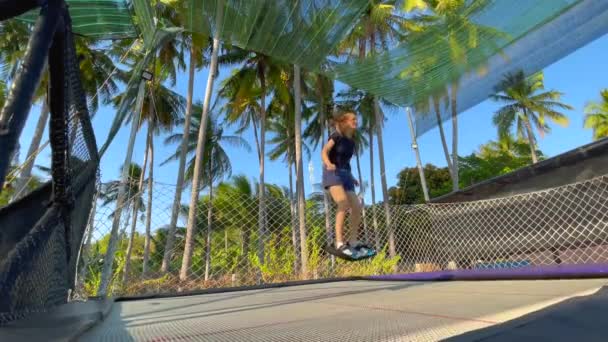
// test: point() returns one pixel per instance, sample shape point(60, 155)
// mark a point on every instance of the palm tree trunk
point(292, 209)
point(84, 253)
point(329, 233)
point(149, 208)
point(262, 185)
point(531, 138)
point(108, 264)
point(300, 173)
point(181, 168)
point(247, 233)
point(455, 175)
point(365, 232)
point(255, 137)
point(444, 143)
point(379, 120)
point(391, 235)
point(140, 187)
point(26, 173)
point(373, 188)
point(129, 211)
point(209, 220)
point(200, 148)
point(425, 190)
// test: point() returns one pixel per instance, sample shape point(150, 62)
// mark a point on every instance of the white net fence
point(563, 225)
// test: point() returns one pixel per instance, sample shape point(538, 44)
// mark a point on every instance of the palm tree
point(458, 43)
point(286, 114)
point(106, 272)
point(281, 125)
point(3, 93)
point(161, 110)
point(216, 136)
point(596, 116)
point(217, 164)
point(236, 198)
point(508, 145)
point(15, 35)
point(416, 74)
point(200, 147)
point(379, 25)
point(197, 44)
point(133, 204)
point(109, 192)
point(259, 77)
point(150, 48)
point(318, 128)
point(525, 107)
point(136, 207)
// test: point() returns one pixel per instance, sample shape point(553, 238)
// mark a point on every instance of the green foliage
point(162, 284)
point(225, 260)
point(9, 190)
point(492, 159)
point(525, 108)
point(3, 93)
point(380, 264)
point(409, 189)
point(495, 159)
point(316, 260)
point(92, 282)
point(159, 240)
point(596, 116)
point(279, 259)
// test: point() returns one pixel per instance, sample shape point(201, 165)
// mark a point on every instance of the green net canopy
point(100, 19)
point(302, 32)
point(420, 53)
point(471, 46)
point(468, 50)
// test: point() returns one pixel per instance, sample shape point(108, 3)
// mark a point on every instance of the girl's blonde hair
point(340, 119)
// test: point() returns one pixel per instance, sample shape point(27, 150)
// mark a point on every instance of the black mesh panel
point(42, 232)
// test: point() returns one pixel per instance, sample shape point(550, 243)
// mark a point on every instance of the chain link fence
point(563, 225)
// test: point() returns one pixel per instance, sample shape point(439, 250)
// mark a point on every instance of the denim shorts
point(338, 177)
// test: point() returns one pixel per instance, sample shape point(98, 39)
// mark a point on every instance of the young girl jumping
point(339, 181)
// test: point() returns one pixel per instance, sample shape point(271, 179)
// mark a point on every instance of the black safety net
point(41, 233)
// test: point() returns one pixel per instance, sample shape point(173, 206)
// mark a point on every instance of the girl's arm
point(325, 155)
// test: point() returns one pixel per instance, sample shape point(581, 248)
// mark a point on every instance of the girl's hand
point(330, 167)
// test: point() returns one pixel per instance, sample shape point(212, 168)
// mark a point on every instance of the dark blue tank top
point(342, 152)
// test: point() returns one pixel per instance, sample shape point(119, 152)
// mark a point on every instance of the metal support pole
point(19, 100)
point(417, 152)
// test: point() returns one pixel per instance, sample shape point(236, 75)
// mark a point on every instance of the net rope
point(558, 226)
point(99, 19)
point(30, 159)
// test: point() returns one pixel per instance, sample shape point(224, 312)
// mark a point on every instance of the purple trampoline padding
point(531, 272)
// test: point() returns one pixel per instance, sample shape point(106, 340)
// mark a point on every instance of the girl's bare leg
point(341, 199)
point(355, 216)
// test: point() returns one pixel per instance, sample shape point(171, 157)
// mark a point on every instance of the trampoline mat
point(339, 311)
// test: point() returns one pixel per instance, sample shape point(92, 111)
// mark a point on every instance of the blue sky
point(580, 76)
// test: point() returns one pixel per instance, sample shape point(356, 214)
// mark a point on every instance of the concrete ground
point(368, 311)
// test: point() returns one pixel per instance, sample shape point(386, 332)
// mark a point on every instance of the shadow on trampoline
point(230, 296)
point(156, 303)
point(580, 318)
point(248, 307)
